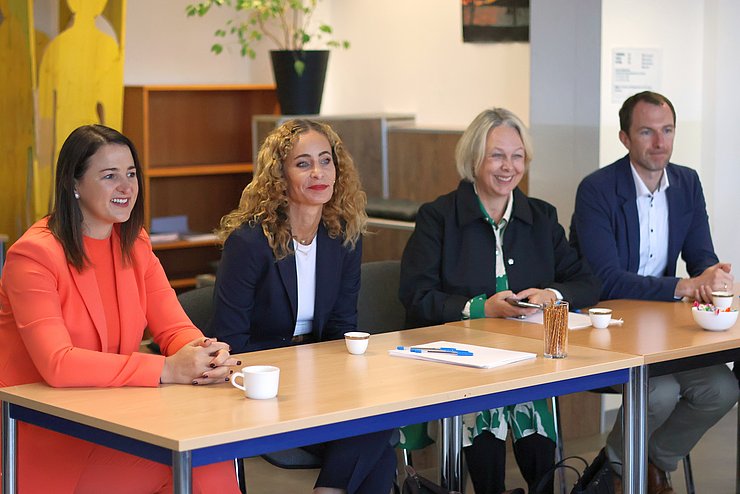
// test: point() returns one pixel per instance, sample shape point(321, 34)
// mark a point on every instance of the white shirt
point(305, 266)
point(652, 211)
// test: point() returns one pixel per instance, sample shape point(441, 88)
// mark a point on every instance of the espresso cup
point(600, 317)
point(356, 342)
point(259, 382)
point(722, 300)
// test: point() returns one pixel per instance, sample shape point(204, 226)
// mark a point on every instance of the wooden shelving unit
point(195, 146)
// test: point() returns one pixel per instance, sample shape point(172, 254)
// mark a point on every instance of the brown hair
point(628, 107)
point(65, 219)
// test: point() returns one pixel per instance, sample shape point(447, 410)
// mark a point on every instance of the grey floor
point(713, 462)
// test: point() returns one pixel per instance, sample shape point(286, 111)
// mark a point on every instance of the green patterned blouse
point(524, 419)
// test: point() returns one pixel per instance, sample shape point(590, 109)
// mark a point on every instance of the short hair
point(471, 148)
point(628, 107)
point(65, 219)
point(265, 201)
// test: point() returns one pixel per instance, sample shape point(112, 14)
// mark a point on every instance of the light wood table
point(325, 393)
point(663, 333)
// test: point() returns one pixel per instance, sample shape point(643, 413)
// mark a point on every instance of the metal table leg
point(10, 450)
point(450, 453)
point(635, 398)
point(182, 471)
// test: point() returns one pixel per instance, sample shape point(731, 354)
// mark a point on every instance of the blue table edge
point(276, 442)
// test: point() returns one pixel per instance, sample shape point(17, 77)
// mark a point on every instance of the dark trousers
point(364, 464)
point(486, 460)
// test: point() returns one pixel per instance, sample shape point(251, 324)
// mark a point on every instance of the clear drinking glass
point(556, 330)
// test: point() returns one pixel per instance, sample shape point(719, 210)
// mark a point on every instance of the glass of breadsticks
point(556, 329)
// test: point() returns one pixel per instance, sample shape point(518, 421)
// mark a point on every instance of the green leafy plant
point(286, 22)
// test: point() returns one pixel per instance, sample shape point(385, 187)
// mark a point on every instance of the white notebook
point(575, 320)
point(482, 357)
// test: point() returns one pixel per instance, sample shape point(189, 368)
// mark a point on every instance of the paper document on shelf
point(575, 320)
point(483, 357)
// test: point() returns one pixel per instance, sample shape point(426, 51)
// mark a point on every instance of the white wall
point(406, 56)
point(721, 145)
point(163, 46)
point(675, 27)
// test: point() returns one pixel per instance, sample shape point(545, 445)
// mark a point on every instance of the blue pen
point(448, 350)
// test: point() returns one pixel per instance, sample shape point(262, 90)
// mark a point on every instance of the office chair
point(380, 311)
point(198, 305)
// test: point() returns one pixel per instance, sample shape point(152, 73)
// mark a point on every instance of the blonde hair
point(471, 148)
point(265, 201)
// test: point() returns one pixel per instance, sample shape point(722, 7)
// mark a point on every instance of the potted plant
point(299, 73)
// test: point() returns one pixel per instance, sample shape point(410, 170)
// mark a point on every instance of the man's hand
point(714, 278)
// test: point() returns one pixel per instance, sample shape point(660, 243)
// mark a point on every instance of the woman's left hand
point(202, 361)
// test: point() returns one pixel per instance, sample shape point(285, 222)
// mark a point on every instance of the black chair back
point(379, 309)
point(198, 305)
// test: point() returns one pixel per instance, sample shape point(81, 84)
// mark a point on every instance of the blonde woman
point(471, 250)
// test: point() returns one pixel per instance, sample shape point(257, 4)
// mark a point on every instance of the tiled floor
point(713, 462)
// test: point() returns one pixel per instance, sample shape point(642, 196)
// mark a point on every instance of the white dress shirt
point(652, 211)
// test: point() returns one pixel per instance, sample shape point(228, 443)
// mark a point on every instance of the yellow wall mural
point(77, 79)
point(80, 82)
point(17, 122)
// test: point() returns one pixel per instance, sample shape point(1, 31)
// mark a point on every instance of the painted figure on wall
point(80, 82)
point(16, 108)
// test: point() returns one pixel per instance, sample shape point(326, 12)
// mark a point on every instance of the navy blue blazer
point(606, 231)
point(256, 297)
point(451, 257)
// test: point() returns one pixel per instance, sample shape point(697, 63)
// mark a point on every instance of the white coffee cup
point(260, 382)
point(600, 317)
point(356, 342)
point(722, 300)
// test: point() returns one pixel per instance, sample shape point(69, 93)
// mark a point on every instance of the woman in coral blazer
point(77, 291)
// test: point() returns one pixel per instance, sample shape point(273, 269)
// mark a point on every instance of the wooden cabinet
point(195, 147)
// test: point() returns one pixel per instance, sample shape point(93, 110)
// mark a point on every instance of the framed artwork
point(486, 21)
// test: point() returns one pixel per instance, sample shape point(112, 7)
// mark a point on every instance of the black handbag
point(596, 478)
point(416, 484)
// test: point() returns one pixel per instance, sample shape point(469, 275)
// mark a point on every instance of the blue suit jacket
point(256, 297)
point(606, 231)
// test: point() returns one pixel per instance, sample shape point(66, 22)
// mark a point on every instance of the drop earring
point(77, 195)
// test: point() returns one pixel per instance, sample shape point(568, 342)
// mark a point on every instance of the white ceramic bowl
point(714, 322)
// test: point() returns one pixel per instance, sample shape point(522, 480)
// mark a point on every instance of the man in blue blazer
point(632, 219)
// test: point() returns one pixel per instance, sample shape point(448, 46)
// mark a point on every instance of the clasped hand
point(497, 306)
point(714, 278)
point(202, 361)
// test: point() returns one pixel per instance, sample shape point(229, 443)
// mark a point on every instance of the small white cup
point(260, 382)
point(600, 317)
point(356, 342)
point(722, 300)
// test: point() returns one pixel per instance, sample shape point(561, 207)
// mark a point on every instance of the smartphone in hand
point(522, 303)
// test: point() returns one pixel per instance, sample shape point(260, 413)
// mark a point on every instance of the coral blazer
point(52, 325)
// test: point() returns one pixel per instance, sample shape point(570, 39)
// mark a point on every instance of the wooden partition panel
point(421, 163)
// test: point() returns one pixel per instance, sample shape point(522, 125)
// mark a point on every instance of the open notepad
point(482, 357)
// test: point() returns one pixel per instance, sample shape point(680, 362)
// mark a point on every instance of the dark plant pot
point(300, 94)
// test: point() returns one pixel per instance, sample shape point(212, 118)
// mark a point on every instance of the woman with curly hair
point(290, 274)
